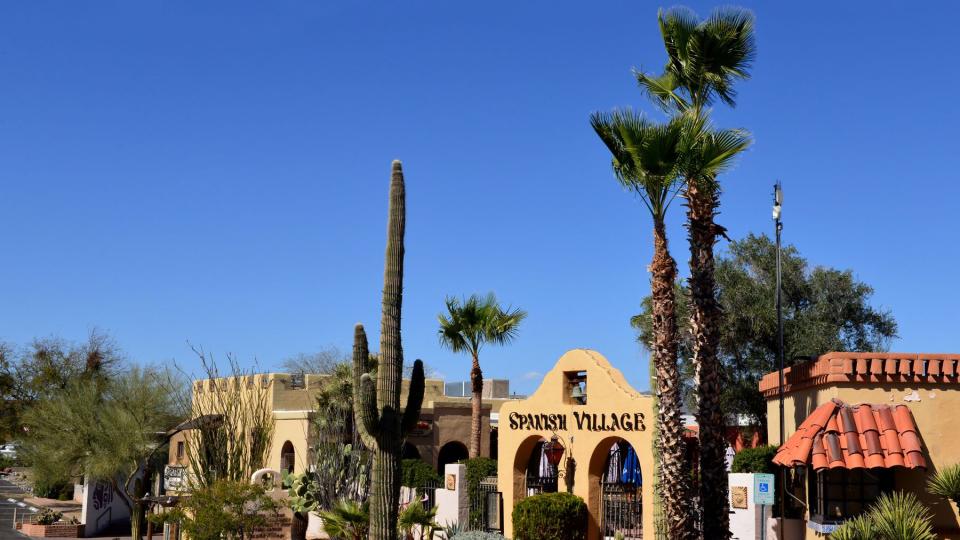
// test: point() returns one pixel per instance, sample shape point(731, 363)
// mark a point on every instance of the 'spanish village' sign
point(583, 421)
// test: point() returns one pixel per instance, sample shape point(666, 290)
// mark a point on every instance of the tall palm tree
point(704, 60)
point(468, 326)
point(646, 160)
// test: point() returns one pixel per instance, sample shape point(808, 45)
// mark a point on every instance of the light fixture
point(777, 201)
point(554, 450)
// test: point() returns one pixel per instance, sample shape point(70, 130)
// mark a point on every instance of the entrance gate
point(621, 507)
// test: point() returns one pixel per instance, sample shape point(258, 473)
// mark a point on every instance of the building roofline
point(865, 368)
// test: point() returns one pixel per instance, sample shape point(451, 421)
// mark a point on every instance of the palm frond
point(645, 155)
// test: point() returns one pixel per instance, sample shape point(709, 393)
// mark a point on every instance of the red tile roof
point(866, 368)
point(855, 437)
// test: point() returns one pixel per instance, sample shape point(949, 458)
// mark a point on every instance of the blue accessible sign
point(763, 489)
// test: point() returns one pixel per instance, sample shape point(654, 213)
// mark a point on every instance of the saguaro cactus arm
point(365, 393)
point(414, 400)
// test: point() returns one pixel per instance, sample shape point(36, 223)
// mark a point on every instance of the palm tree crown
point(704, 58)
point(477, 320)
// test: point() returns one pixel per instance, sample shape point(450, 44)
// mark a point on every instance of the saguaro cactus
point(377, 414)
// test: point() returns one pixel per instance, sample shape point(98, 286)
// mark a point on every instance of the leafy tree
point(824, 309)
point(47, 366)
point(467, 327)
point(647, 161)
point(321, 362)
point(224, 509)
point(110, 431)
point(704, 60)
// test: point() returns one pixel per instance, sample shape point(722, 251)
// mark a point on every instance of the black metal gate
point(621, 510)
point(486, 507)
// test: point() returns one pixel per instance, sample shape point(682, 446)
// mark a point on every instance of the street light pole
point(777, 202)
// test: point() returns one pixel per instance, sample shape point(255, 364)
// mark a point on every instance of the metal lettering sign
point(763, 489)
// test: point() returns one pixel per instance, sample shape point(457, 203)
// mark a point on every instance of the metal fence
point(486, 507)
point(621, 510)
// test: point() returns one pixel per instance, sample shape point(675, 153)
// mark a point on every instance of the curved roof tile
point(837, 435)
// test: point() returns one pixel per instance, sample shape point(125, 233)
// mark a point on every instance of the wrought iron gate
point(621, 510)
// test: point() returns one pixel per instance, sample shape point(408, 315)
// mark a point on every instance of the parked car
point(8, 450)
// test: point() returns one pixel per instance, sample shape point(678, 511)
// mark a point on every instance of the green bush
point(48, 517)
point(550, 516)
point(755, 460)
point(895, 516)
point(946, 483)
point(478, 468)
point(417, 473)
point(477, 535)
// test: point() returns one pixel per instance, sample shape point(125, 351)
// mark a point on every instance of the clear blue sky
point(217, 172)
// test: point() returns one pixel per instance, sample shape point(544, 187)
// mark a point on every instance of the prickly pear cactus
point(378, 417)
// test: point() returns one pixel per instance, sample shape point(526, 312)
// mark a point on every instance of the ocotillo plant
point(377, 413)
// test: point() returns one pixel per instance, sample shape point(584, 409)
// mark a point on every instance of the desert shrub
point(550, 516)
point(946, 483)
point(755, 460)
point(477, 535)
point(223, 510)
point(417, 473)
point(895, 516)
point(48, 517)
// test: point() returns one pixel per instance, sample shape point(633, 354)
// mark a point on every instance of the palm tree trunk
point(705, 319)
point(674, 479)
point(476, 383)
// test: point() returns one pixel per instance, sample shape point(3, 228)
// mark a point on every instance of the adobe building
point(584, 430)
point(861, 424)
point(442, 435)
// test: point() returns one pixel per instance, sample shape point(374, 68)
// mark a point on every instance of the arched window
point(288, 457)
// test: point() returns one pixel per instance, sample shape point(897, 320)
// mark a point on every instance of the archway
point(539, 475)
point(409, 451)
point(615, 496)
point(288, 457)
point(452, 452)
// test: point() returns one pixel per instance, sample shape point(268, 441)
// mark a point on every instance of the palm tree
point(704, 59)
point(467, 326)
point(646, 160)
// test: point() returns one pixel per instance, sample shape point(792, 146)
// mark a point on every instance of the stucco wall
point(607, 394)
point(934, 408)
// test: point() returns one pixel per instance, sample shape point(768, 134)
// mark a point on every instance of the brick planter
point(57, 530)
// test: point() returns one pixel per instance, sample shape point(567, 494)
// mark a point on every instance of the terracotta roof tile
point(836, 435)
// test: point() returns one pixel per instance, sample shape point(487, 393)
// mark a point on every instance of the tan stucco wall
point(934, 412)
point(607, 393)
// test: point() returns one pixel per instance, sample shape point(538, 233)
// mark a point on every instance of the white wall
point(745, 524)
point(101, 506)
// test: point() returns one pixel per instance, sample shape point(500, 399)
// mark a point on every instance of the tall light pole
point(777, 202)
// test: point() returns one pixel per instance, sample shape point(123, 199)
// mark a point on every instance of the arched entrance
point(288, 457)
point(452, 452)
point(409, 451)
point(616, 490)
point(540, 476)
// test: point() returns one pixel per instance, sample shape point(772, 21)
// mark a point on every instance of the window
point(839, 494)
point(180, 450)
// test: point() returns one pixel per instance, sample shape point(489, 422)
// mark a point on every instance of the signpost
point(763, 495)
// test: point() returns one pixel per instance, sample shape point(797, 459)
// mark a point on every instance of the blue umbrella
point(631, 468)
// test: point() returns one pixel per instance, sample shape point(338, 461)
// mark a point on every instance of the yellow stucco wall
point(934, 408)
point(608, 395)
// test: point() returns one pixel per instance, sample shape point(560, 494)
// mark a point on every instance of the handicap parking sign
point(763, 489)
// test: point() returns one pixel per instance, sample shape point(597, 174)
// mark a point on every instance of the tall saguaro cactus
point(381, 424)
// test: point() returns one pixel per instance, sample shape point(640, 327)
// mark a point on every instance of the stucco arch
point(451, 452)
point(613, 411)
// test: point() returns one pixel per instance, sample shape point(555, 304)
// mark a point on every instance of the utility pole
point(777, 202)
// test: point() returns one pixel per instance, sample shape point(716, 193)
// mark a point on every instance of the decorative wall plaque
point(451, 482)
point(738, 497)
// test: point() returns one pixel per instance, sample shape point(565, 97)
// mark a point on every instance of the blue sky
point(216, 172)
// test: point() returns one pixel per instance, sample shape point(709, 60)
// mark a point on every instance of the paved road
point(10, 491)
